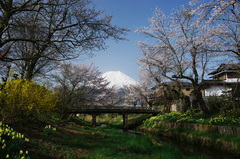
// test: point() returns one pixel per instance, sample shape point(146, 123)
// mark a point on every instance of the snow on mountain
point(118, 79)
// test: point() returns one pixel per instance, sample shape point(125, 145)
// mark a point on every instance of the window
point(187, 89)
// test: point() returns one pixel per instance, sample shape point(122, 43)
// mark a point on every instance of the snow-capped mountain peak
point(118, 79)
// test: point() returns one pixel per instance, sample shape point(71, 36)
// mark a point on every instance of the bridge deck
point(115, 109)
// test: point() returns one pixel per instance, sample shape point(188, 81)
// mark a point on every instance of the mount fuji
point(118, 79)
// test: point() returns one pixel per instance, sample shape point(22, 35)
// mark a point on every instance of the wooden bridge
point(124, 110)
point(114, 109)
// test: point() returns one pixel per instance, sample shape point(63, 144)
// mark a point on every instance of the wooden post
point(125, 121)
point(94, 120)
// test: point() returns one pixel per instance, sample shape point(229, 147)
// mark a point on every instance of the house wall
point(174, 107)
point(231, 80)
point(215, 90)
point(187, 91)
point(229, 77)
point(221, 77)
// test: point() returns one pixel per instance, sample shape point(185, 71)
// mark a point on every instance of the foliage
point(22, 98)
point(49, 129)
point(192, 117)
point(11, 143)
point(233, 113)
point(221, 120)
point(218, 104)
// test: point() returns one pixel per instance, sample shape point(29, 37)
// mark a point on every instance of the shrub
point(214, 103)
point(233, 113)
point(168, 117)
point(218, 104)
point(22, 98)
point(194, 117)
point(220, 120)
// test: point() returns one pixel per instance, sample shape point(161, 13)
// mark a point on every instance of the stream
point(186, 148)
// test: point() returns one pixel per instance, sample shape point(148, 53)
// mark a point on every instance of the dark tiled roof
point(226, 67)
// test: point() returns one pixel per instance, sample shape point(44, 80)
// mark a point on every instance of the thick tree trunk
point(198, 101)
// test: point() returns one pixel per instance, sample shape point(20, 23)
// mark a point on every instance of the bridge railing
point(117, 109)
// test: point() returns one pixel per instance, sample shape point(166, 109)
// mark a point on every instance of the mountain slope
point(118, 79)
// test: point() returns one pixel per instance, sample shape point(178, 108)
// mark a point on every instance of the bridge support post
point(125, 121)
point(94, 120)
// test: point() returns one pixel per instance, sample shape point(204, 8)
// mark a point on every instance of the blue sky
point(131, 14)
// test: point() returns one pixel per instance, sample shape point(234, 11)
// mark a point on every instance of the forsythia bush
point(21, 98)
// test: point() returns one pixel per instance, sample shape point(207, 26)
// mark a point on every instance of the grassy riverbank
point(51, 139)
point(214, 132)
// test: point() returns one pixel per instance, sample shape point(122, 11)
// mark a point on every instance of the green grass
point(120, 145)
point(77, 140)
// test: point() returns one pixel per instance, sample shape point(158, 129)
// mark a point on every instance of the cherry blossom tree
point(143, 92)
point(178, 49)
point(224, 15)
point(139, 94)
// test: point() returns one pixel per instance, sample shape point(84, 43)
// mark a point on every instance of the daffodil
point(3, 146)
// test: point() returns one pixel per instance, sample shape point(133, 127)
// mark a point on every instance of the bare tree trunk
point(199, 101)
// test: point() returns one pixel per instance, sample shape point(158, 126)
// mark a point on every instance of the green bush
point(233, 113)
point(193, 117)
point(218, 104)
point(220, 120)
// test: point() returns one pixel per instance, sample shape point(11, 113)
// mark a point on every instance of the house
point(225, 79)
point(172, 95)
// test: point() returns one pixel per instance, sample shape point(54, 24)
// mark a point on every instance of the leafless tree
point(42, 31)
point(80, 85)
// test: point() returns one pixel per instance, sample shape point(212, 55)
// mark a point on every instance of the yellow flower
point(3, 147)
point(26, 152)
point(7, 156)
point(21, 152)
